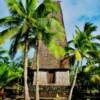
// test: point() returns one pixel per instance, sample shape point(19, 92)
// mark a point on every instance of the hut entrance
point(51, 77)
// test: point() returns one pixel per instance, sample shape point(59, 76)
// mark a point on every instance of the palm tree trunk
point(26, 90)
point(73, 84)
point(37, 70)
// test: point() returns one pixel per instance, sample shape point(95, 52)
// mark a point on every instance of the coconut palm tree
point(48, 32)
point(27, 23)
point(82, 47)
point(19, 25)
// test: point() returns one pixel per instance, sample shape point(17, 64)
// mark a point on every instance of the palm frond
point(9, 21)
point(77, 31)
point(52, 26)
point(95, 45)
point(46, 37)
point(20, 45)
point(47, 8)
point(14, 7)
point(51, 6)
point(32, 43)
point(2, 40)
point(94, 54)
point(56, 49)
point(3, 52)
point(15, 42)
point(9, 32)
point(69, 42)
point(89, 28)
point(96, 37)
point(32, 22)
point(69, 50)
point(79, 39)
point(25, 27)
point(22, 6)
point(31, 6)
point(40, 11)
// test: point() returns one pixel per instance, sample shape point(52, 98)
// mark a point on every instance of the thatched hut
point(52, 71)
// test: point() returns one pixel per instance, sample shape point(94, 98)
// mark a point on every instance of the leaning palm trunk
point(73, 84)
point(26, 90)
point(37, 70)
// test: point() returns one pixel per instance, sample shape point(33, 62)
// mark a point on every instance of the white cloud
point(73, 10)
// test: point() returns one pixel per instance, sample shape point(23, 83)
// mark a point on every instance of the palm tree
point(48, 32)
point(81, 47)
point(29, 22)
point(19, 25)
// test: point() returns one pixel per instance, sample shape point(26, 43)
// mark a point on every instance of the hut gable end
point(47, 59)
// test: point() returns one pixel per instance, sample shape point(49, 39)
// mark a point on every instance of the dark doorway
point(51, 77)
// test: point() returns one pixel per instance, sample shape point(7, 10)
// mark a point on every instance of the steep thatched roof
point(47, 59)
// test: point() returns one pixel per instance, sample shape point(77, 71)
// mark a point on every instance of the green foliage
point(89, 77)
point(31, 6)
point(8, 73)
point(89, 28)
point(52, 32)
point(83, 46)
point(9, 70)
point(56, 49)
point(46, 9)
point(28, 19)
point(96, 37)
point(83, 42)
point(15, 7)
point(4, 57)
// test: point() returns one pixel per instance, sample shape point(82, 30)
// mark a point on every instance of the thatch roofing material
point(47, 59)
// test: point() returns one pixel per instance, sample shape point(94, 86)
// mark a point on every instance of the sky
point(75, 12)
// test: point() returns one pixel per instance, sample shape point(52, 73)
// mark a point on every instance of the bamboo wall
point(60, 78)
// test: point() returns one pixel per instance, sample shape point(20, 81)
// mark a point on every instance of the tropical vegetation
point(82, 49)
point(27, 26)
point(30, 24)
